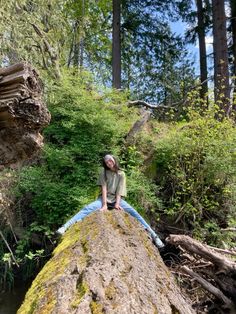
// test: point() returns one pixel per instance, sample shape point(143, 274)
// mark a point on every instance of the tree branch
point(208, 286)
point(223, 250)
point(147, 105)
point(160, 106)
point(7, 245)
point(196, 247)
point(52, 54)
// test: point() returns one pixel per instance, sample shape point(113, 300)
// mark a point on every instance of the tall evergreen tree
point(202, 48)
point(199, 22)
point(78, 33)
point(233, 40)
point(151, 52)
point(221, 70)
point(116, 45)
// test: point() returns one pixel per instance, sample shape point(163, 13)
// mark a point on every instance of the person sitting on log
point(113, 187)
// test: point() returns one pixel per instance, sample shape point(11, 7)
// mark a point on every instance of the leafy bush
point(196, 174)
point(142, 194)
point(85, 124)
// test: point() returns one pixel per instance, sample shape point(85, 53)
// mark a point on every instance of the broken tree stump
point(23, 114)
point(105, 264)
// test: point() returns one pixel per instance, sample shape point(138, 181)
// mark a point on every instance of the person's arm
point(117, 204)
point(103, 184)
point(104, 197)
point(121, 191)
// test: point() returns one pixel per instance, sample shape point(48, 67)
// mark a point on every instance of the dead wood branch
point(228, 252)
point(10, 250)
point(229, 230)
point(147, 105)
point(209, 287)
point(138, 125)
point(173, 106)
point(196, 247)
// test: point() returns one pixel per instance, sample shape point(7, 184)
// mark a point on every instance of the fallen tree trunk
point(105, 264)
point(137, 127)
point(221, 262)
point(23, 114)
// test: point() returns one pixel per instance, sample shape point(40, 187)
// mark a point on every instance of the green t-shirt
point(115, 182)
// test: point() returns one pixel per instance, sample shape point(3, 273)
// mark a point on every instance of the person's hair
point(117, 166)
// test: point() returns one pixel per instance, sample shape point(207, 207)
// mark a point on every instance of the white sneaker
point(61, 231)
point(157, 241)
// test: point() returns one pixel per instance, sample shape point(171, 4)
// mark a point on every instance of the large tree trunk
point(23, 114)
point(81, 43)
point(221, 70)
point(105, 264)
point(233, 27)
point(202, 50)
point(116, 46)
point(76, 50)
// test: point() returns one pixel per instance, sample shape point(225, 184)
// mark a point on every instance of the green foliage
point(143, 194)
point(196, 174)
point(157, 67)
point(85, 124)
point(51, 35)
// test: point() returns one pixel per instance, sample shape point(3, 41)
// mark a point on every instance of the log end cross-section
point(23, 114)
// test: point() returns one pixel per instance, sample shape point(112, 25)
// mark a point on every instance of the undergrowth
point(183, 172)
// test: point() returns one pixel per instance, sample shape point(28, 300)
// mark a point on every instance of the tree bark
point(81, 43)
point(209, 287)
point(202, 50)
point(221, 70)
point(76, 48)
point(116, 45)
point(137, 127)
point(194, 246)
point(23, 114)
point(233, 27)
point(105, 264)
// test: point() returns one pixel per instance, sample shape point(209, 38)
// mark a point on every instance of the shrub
point(196, 174)
point(85, 124)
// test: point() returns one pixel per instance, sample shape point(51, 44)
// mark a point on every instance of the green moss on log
point(96, 308)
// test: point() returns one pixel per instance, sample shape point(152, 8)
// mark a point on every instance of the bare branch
point(208, 286)
point(138, 125)
point(228, 229)
point(233, 252)
point(160, 106)
point(52, 54)
point(204, 251)
point(147, 105)
point(7, 245)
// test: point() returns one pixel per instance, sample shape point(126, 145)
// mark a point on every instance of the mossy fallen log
point(105, 264)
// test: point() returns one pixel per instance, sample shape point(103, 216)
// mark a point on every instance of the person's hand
point(118, 207)
point(103, 208)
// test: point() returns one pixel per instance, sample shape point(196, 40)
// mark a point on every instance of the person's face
point(110, 164)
